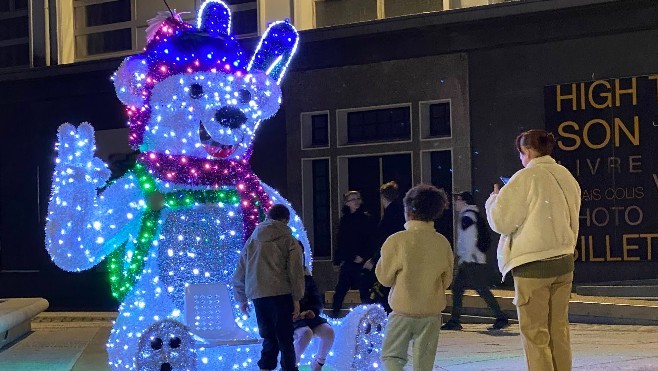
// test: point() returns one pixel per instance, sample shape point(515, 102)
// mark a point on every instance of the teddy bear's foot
point(164, 346)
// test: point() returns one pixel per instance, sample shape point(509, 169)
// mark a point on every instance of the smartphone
point(504, 180)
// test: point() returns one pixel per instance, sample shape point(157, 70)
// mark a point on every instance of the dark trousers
point(383, 300)
point(475, 276)
point(350, 276)
point(274, 317)
point(377, 294)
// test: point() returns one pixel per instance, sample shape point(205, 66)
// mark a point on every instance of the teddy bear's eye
point(156, 344)
point(244, 96)
point(196, 91)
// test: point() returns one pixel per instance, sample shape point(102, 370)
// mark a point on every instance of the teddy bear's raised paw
point(76, 148)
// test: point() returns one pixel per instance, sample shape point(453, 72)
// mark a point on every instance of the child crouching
point(310, 324)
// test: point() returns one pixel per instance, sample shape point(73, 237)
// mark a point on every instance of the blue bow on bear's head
point(193, 91)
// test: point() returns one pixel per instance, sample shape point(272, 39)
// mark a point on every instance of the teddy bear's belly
point(199, 245)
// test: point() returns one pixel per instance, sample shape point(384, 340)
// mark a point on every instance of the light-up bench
point(16, 317)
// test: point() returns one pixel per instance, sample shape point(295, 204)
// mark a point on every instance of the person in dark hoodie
point(392, 221)
point(270, 272)
point(355, 245)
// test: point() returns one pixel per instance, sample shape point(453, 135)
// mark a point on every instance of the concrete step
point(622, 291)
point(351, 298)
point(647, 282)
point(582, 308)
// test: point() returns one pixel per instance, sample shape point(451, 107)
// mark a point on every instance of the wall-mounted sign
point(607, 133)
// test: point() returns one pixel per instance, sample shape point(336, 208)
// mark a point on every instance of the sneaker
point(499, 325)
point(451, 325)
point(316, 365)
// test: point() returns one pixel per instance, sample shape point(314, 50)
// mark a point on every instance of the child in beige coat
point(417, 264)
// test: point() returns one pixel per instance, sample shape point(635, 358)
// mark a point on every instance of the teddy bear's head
point(193, 91)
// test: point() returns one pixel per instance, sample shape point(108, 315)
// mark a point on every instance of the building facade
point(487, 73)
point(38, 33)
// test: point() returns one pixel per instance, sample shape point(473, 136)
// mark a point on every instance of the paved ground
point(595, 347)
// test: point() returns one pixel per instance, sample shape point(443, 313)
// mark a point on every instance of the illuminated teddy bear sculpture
point(180, 217)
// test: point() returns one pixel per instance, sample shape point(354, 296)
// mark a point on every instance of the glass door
point(366, 174)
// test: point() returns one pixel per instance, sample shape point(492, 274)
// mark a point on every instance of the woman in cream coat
point(537, 216)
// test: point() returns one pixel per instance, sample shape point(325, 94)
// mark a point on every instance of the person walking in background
point(355, 245)
point(417, 265)
point(270, 272)
point(537, 216)
point(472, 270)
point(392, 221)
point(310, 324)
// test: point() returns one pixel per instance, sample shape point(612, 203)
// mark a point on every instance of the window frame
point(424, 119)
point(342, 126)
point(308, 207)
point(137, 28)
point(426, 175)
point(343, 168)
point(253, 5)
point(86, 31)
point(306, 126)
point(11, 14)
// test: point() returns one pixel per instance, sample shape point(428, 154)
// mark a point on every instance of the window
point(103, 27)
point(244, 17)
point(105, 13)
point(441, 169)
point(435, 119)
point(396, 8)
point(236, 2)
point(320, 130)
point(321, 210)
point(104, 42)
point(439, 119)
point(441, 177)
point(331, 13)
point(315, 130)
point(338, 12)
point(111, 28)
point(245, 23)
point(367, 173)
point(379, 125)
point(14, 34)
point(7, 6)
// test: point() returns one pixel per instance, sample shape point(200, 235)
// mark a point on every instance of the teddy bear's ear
point(276, 48)
point(214, 18)
point(129, 81)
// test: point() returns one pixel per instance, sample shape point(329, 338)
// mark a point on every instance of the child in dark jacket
point(311, 324)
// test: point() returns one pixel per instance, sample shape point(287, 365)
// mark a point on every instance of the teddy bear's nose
point(231, 117)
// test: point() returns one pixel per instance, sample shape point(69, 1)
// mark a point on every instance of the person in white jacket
point(537, 213)
point(472, 270)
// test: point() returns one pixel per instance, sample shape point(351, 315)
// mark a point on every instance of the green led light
point(123, 273)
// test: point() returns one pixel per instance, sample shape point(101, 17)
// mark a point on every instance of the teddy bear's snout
point(230, 117)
